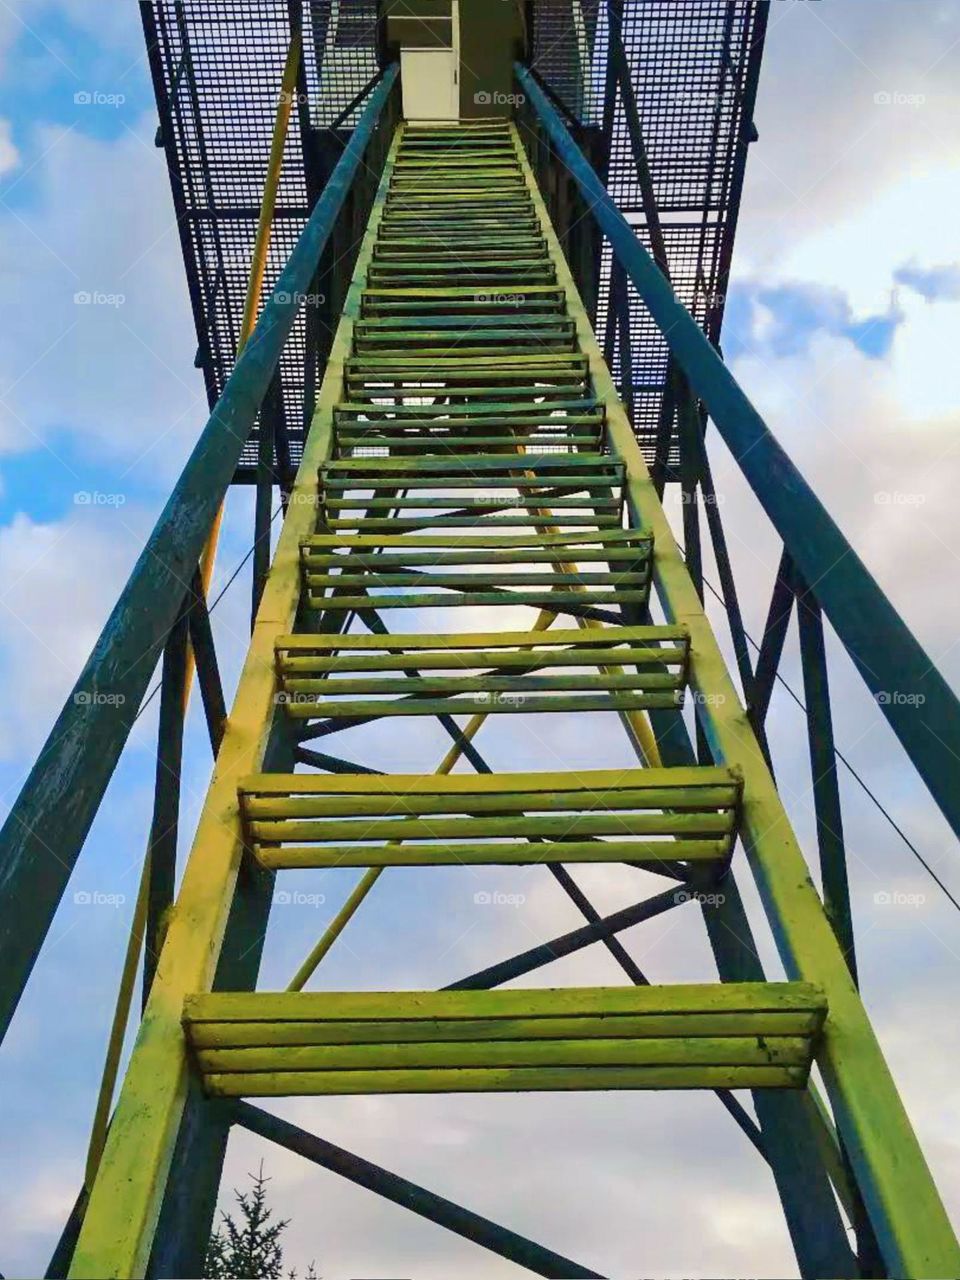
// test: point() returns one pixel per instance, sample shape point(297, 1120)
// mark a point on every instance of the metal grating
point(694, 66)
point(217, 67)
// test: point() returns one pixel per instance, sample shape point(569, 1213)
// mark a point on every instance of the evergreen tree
point(249, 1249)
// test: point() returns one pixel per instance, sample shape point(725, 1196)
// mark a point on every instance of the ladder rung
point(506, 408)
point(495, 680)
point(514, 701)
point(317, 562)
point(533, 497)
point(478, 467)
point(425, 439)
point(412, 524)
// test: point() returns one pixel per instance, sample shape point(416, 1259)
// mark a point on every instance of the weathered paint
point(905, 1208)
point(44, 832)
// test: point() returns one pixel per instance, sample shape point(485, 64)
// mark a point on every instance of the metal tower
point(473, 452)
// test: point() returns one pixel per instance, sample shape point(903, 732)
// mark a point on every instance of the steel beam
point(61, 796)
point(891, 661)
point(586, 908)
point(162, 844)
point(487, 1234)
point(760, 691)
point(823, 768)
point(905, 1209)
point(263, 502)
point(208, 670)
point(565, 945)
point(159, 1123)
point(804, 1160)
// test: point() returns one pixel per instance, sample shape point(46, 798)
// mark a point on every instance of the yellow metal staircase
point(461, 274)
point(468, 449)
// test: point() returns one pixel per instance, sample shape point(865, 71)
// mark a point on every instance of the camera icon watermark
point(286, 698)
point(300, 298)
point(97, 898)
point(894, 498)
point(895, 898)
point(97, 298)
point(485, 898)
point(707, 699)
point(695, 895)
point(94, 498)
point(288, 898)
point(486, 98)
point(97, 698)
point(491, 700)
point(896, 98)
point(97, 98)
point(895, 698)
point(707, 499)
point(500, 299)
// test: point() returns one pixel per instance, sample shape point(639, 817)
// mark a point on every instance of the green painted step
point(652, 816)
point(730, 1035)
point(508, 678)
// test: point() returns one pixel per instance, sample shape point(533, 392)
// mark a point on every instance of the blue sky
point(843, 323)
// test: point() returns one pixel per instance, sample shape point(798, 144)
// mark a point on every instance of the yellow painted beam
point(137, 1157)
point(869, 1112)
point(121, 1013)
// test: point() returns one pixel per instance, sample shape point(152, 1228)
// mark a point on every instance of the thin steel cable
point(851, 770)
point(210, 608)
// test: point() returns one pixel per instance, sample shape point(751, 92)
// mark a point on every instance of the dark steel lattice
point(217, 67)
point(694, 66)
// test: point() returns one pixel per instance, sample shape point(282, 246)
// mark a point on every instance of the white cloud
point(59, 582)
point(9, 155)
point(860, 251)
point(924, 365)
point(571, 1171)
point(883, 471)
point(43, 1201)
point(826, 147)
point(103, 346)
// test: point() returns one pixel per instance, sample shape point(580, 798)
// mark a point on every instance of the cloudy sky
point(843, 324)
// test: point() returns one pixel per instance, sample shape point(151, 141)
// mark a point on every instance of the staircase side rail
point(918, 703)
point(44, 832)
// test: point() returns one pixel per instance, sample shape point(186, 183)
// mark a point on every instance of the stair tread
point(682, 1036)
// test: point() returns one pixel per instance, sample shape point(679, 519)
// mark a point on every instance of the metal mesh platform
point(694, 67)
point(217, 65)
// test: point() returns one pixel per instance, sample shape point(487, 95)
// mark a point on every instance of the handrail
point(919, 705)
point(45, 830)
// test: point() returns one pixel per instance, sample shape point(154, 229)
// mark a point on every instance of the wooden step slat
point(337, 564)
point(467, 674)
point(579, 405)
point(732, 1035)
point(478, 468)
point(678, 815)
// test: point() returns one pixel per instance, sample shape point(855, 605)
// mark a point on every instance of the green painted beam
point(44, 832)
point(905, 1209)
point(507, 1244)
